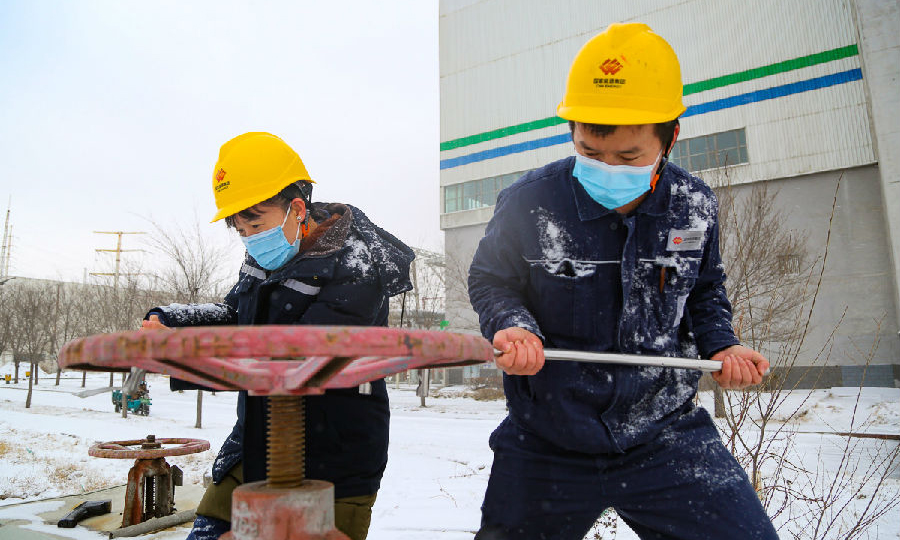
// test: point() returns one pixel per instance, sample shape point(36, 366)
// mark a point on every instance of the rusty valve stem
point(287, 442)
point(150, 443)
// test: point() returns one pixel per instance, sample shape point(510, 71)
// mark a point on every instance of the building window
point(476, 193)
point(789, 263)
point(711, 151)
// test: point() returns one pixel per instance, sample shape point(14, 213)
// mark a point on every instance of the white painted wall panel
point(504, 62)
point(717, 37)
point(722, 36)
point(493, 29)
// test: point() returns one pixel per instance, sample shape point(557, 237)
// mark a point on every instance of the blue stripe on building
point(774, 92)
point(505, 150)
point(701, 108)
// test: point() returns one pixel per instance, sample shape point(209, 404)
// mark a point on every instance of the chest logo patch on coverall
point(684, 240)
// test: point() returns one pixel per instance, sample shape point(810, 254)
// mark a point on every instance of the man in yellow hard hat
point(612, 250)
point(306, 263)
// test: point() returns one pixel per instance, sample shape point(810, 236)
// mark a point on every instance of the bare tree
point(488, 384)
point(459, 309)
point(809, 504)
point(11, 322)
point(199, 423)
point(33, 324)
point(194, 266)
point(766, 263)
point(40, 316)
point(766, 321)
point(69, 307)
point(423, 306)
point(194, 269)
point(117, 307)
point(6, 316)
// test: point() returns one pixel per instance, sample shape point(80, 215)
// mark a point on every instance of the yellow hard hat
point(625, 75)
point(251, 168)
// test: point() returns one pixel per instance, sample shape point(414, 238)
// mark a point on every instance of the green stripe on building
point(771, 69)
point(692, 88)
point(502, 132)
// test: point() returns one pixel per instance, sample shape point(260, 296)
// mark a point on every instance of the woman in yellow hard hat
point(612, 250)
point(307, 263)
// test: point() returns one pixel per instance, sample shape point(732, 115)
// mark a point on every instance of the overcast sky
point(113, 112)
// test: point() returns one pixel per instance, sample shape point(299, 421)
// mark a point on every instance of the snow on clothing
point(583, 277)
point(344, 278)
point(208, 528)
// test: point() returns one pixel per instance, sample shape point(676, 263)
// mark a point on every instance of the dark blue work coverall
point(580, 437)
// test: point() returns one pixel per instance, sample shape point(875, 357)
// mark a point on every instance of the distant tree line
point(38, 316)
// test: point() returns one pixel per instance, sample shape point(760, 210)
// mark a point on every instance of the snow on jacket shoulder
point(345, 273)
point(583, 277)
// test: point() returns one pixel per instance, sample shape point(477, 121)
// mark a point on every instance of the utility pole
point(424, 374)
point(118, 251)
point(4, 251)
point(8, 251)
point(415, 279)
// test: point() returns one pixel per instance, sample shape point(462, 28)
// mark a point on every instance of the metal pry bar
point(629, 359)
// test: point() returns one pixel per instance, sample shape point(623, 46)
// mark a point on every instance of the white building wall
point(878, 23)
point(504, 62)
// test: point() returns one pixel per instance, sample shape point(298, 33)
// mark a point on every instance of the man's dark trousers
point(682, 485)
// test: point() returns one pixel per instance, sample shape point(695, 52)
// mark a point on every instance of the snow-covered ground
point(439, 458)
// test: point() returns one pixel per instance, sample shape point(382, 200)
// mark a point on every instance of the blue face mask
point(270, 249)
point(612, 185)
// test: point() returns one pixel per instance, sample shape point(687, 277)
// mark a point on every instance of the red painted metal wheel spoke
point(276, 360)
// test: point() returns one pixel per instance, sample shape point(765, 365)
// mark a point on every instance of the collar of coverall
point(656, 203)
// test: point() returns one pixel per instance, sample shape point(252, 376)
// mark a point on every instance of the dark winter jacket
point(583, 277)
point(344, 278)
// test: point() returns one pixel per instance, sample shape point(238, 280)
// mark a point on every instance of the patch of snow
point(358, 256)
point(439, 459)
point(702, 207)
point(554, 240)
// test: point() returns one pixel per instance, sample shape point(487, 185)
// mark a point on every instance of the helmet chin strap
point(665, 158)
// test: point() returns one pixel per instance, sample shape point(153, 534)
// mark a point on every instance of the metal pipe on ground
point(155, 524)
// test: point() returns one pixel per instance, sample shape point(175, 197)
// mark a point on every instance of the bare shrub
point(487, 394)
point(768, 266)
point(774, 305)
point(606, 527)
point(487, 381)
